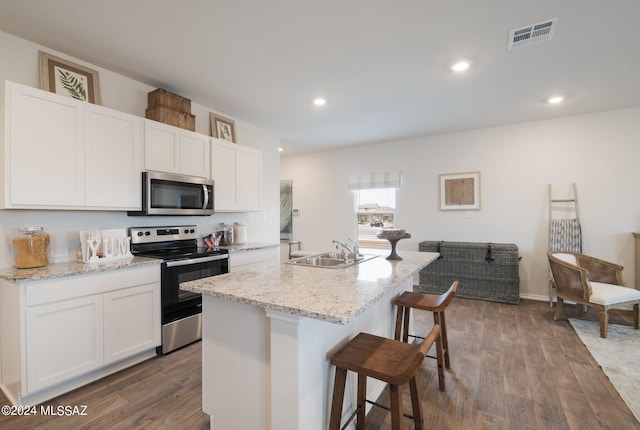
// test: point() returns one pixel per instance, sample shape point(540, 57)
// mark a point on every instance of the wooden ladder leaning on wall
point(565, 234)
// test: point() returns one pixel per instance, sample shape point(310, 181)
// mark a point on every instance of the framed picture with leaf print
point(222, 128)
point(68, 79)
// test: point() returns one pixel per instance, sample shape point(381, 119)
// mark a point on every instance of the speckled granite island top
point(332, 295)
point(249, 246)
point(59, 270)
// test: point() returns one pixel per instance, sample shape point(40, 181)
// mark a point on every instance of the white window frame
point(374, 241)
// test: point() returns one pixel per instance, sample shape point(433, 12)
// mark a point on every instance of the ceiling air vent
point(531, 34)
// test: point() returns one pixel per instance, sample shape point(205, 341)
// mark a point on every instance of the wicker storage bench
point(486, 271)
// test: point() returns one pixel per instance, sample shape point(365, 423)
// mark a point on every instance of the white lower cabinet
point(131, 321)
point(64, 340)
point(59, 334)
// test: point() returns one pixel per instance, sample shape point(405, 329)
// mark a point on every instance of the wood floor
point(512, 367)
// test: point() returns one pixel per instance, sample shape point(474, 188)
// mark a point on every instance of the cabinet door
point(161, 147)
point(195, 154)
point(113, 142)
point(64, 339)
point(248, 179)
point(223, 172)
point(131, 321)
point(45, 148)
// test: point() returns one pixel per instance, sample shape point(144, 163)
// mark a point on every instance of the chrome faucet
point(355, 252)
point(356, 249)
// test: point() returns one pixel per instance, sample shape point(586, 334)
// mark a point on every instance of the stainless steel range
point(183, 260)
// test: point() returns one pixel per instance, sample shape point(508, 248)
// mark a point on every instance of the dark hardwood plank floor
point(512, 367)
point(164, 392)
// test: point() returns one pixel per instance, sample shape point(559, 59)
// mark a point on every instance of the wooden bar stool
point(387, 360)
point(427, 302)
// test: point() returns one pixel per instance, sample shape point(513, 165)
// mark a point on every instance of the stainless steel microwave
point(171, 194)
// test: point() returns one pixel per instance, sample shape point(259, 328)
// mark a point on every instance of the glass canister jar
point(30, 247)
point(226, 233)
point(239, 233)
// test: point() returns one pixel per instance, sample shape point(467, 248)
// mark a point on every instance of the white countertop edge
point(249, 246)
point(72, 268)
point(341, 316)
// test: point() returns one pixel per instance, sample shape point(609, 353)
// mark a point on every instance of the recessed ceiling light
point(319, 101)
point(460, 66)
point(280, 149)
point(555, 100)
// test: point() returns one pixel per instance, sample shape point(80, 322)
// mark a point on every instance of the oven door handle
point(206, 196)
point(196, 260)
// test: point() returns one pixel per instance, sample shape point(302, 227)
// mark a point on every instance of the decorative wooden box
point(172, 117)
point(167, 99)
point(169, 108)
point(486, 271)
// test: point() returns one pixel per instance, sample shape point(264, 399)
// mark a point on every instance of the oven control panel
point(162, 234)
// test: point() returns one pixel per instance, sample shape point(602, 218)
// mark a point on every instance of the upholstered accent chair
point(591, 282)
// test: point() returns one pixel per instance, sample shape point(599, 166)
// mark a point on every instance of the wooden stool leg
point(399, 318)
point(636, 316)
point(418, 421)
point(407, 319)
point(396, 408)
point(445, 340)
point(338, 398)
point(440, 359)
point(361, 405)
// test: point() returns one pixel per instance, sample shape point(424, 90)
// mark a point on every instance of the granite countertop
point(250, 246)
point(71, 268)
point(333, 295)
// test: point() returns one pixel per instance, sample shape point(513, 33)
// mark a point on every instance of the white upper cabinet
point(62, 153)
point(223, 173)
point(174, 150)
point(113, 158)
point(237, 172)
point(248, 178)
point(195, 154)
point(161, 147)
point(44, 149)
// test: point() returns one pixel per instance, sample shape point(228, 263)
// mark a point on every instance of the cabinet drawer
point(47, 291)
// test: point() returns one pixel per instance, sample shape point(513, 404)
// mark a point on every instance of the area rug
point(618, 355)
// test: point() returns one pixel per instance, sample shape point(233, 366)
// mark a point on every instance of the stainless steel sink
point(329, 260)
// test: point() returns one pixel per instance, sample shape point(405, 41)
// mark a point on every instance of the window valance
point(365, 181)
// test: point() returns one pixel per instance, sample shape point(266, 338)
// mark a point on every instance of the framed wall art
point(63, 77)
point(222, 128)
point(286, 210)
point(460, 191)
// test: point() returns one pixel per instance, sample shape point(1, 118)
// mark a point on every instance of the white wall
point(599, 152)
point(20, 64)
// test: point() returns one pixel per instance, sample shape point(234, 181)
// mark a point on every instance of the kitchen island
point(268, 335)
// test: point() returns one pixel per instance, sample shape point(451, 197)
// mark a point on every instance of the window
point(375, 209)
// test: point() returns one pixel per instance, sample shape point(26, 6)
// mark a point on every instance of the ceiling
point(382, 65)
